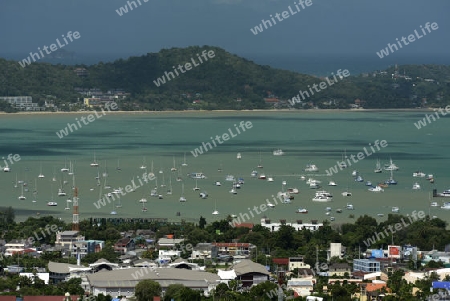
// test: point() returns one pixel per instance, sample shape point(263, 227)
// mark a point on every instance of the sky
point(326, 28)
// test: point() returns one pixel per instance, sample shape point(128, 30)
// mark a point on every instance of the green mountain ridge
point(220, 81)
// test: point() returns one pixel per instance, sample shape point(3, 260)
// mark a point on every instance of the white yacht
point(419, 174)
point(349, 207)
point(52, 204)
point(239, 156)
point(6, 169)
point(332, 183)
point(197, 175)
point(346, 193)
point(395, 209)
point(215, 212)
point(434, 204)
point(321, 198)
point(61, 192)
point(293, 190)
point(446, 206)
point(230, 178)
point(302, 210)
point(376, 189)
point(270, 205)
point(324, 193)
point(269, 179)
point(354, 173)
point(262, 176)
point(416, 186)
point(278, 152)
point(254, 174)
point(311, 168)
point(218, 183)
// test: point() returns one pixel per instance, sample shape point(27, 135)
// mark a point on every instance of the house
point(124, 245)
point(375, 289)
point(85, 247)
point(335, 250)
point(297, 263)
point(249, 273)
point(303, 287)
point(204, 250)
point(15, 246)
point(234, 249)
point(366, 265)
point(121, 282)
point(66, 239)
point(169, 242)
point(339, 269)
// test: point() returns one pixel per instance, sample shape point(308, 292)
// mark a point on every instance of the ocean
point(130, 140)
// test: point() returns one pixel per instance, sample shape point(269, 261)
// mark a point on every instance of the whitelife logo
point(224, 136)
point(429, 118)
point(411, 38)
point(187, 66)
point(35, 56)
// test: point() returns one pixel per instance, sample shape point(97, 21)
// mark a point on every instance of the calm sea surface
point(317, 137)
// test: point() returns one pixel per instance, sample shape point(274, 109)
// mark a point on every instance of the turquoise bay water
point(317, 137)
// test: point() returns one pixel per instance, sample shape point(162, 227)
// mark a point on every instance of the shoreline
point(225, 111)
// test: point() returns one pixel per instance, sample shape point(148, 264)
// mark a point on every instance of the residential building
point(85, 247)
point(249, 272)
point(169, 242)
point(297, 263)
point(366, 265)
point(67, 240)
point(204, 250)
point(339, 269)
point(24, 103)
point(165, 256)
point(15, 246)
point(303, 287)
point(298, 225)
point(234, 248)
point(336, 250)
point(124, 245)
point(60, 272)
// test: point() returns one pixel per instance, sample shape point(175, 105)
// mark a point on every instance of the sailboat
point(196, 187)
point(173, 168)
point(21, 196)
point(105, 173)
point(169, 191)
point(179, 178)
point(71, 168)
point(35, 192)
point(182, 198)
point(163, 183)
point(113, 212)
point(151, 174)
point(260, 161)
point(41, 175)
point(143, 199)
point(118, 165)
point(220, 168)
point(67, 204)
point(184, 163)
point(65, 169)
point(378, 167)
point(61, 191)
point(144, 166)
point(343, 164)
point(15, 184)
point(154, 191)
point(52, 202)
point(391, 180)
point(215, 212)
point(94, 163)
point(54, 175)
point(144, 209)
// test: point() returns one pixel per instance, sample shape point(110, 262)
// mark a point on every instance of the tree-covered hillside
point(225, 81)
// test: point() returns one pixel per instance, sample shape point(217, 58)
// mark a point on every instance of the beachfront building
point(23, 103)
point(298, 225)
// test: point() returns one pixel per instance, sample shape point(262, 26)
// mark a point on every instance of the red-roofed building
point(375, 289)
point(234, 248)
point(7, 298)
point(271, 100)
point(244, 225)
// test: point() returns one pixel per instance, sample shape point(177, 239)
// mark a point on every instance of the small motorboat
point(416, 186)
point(395, 209)
point(302, 210)
point(52, 204)
point(332, 183)
point(349, 207)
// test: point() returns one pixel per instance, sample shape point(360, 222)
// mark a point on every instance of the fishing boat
point(182, 198)
point(378, 167)
point(94, 163)
point(380, 214)
point(278, 152)
point(239, 156)
point(184, 163)
point(173, 167)
point(302, 210)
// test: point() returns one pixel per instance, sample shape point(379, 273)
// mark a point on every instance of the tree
point(147, 289)
point(202, 222)
point(173, 291)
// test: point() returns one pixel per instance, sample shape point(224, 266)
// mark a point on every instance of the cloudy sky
point(327, 27)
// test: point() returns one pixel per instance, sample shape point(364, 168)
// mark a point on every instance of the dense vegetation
point(219, 82)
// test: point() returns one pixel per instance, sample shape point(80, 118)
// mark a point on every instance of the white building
point(298, 225)
point(21, 102)
point(14, 247)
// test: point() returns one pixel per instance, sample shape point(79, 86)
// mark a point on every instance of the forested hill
point(224, 81)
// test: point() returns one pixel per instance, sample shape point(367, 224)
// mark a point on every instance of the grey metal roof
point(61, 268)
point(125, 277)
point(247, 266)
